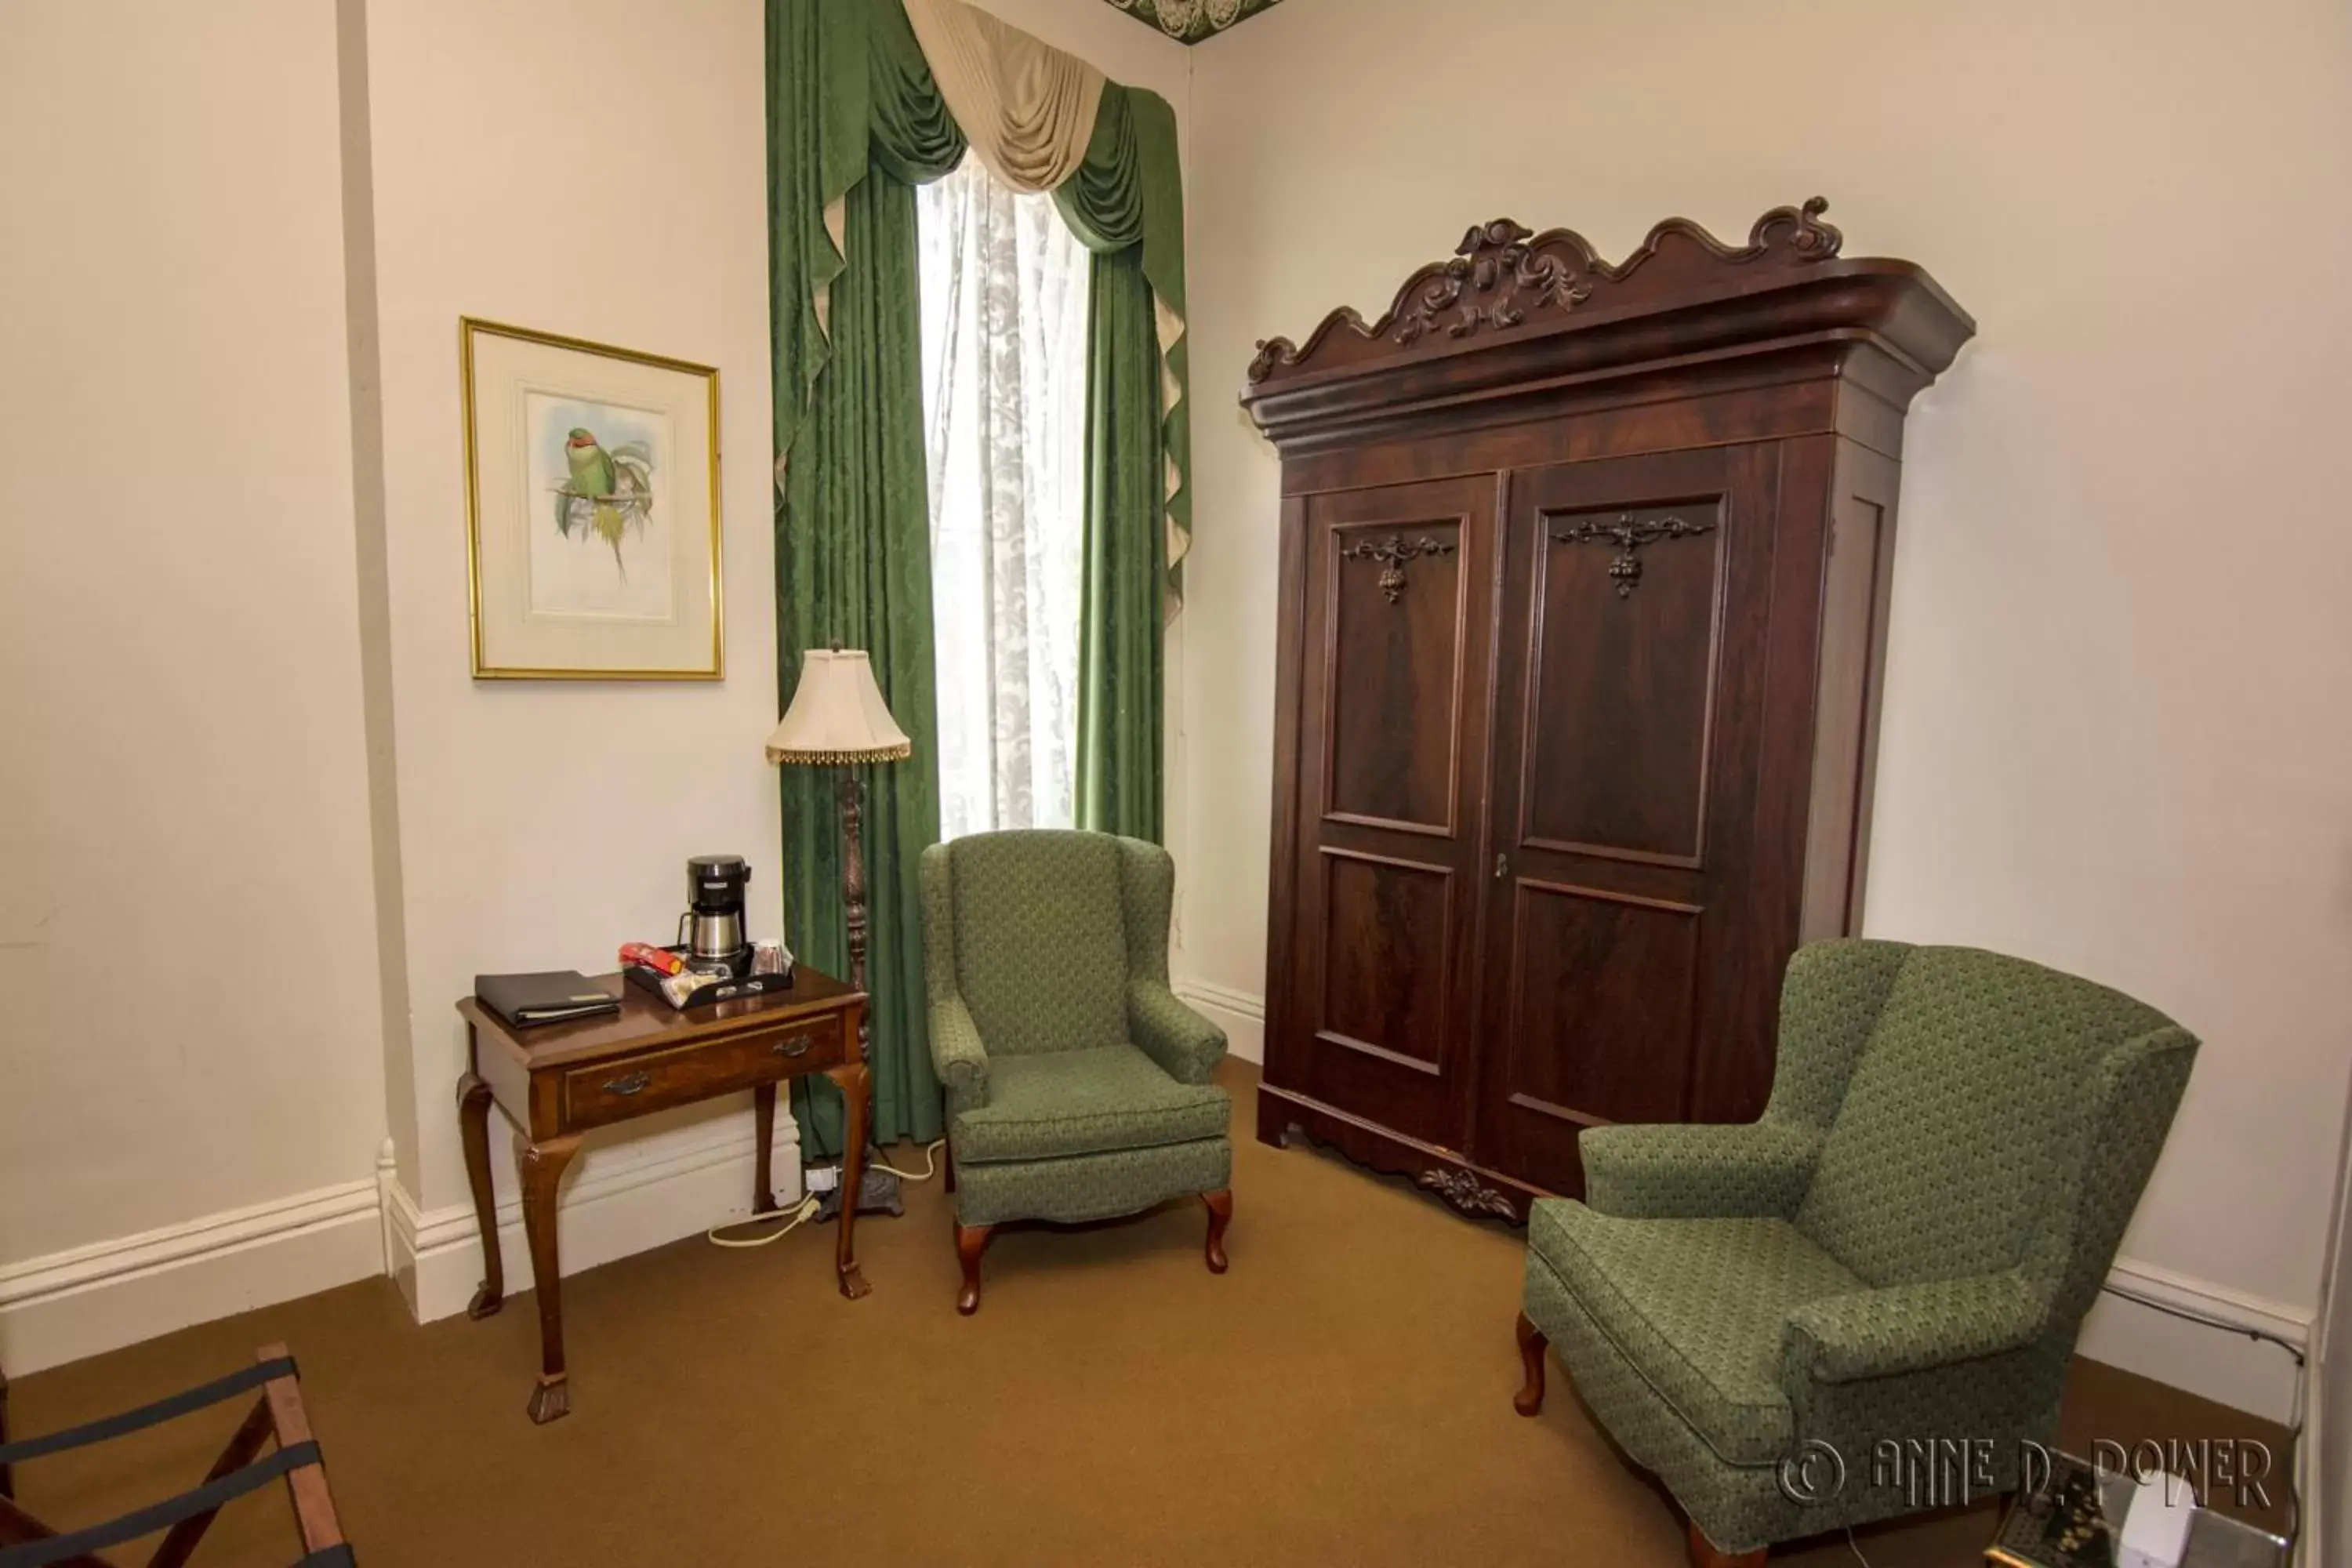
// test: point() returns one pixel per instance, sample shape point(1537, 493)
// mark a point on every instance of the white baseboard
point(624, 1199)
point(1239, 1013)
point(109, 1294)
point(2230, 1368)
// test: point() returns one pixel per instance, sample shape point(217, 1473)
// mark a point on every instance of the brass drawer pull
point(795, 1045)
point(630, 1083)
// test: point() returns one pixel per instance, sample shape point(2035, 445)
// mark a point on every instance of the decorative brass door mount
point(1628, 536)
point(1392, 553)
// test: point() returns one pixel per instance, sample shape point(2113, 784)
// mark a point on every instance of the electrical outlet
point(821, 1178)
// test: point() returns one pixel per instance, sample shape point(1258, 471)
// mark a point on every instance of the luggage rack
point(242, 1467)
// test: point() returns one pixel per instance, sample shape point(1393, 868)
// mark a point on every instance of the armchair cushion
point(1690, 1171)
point(1697, 1306)
point(1061, 1103)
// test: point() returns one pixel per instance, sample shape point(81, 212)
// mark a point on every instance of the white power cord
point(931, 1163)
point(801, 1213)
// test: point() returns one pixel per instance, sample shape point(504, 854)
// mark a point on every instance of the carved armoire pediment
point(1585, 584)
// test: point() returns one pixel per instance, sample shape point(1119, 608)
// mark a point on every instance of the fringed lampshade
point(837, 718)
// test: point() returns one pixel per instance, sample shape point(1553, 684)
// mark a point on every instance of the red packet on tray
point(662, 972)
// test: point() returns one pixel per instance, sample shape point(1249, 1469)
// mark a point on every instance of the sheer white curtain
point(1004, 390)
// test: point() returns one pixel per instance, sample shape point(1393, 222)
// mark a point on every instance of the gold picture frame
point(576, 451)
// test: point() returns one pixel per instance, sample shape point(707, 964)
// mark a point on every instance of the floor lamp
point(838, 720)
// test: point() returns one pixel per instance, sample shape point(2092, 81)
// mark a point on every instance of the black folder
point(555, 996)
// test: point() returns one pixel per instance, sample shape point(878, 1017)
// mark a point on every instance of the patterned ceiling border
point(1190, 21)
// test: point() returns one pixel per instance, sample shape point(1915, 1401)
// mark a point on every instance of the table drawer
point(632, 1085)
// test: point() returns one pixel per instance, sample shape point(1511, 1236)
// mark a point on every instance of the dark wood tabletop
point(645, 1019)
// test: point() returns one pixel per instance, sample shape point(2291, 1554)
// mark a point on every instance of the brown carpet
point(1342, 1396)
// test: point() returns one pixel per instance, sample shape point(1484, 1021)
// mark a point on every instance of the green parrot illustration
point(615, 489)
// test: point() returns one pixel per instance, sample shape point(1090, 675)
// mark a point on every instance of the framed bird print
point(591, 510)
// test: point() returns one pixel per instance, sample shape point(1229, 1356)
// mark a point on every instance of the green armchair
point(1078, 1085)
point(1900, 1251)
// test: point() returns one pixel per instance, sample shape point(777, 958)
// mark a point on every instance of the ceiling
point(1190, 21)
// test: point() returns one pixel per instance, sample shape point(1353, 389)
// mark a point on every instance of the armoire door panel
point(1395, 639)
point(1394, 668)
point(1627, 613)
point(1591, 1054)
point(1625, 753)
point(1388, 967)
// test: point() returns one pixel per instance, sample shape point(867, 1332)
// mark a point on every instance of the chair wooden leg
point(972, 1240)
point(1529, 1399)
point(1705, 1553)
point(1221, 1210)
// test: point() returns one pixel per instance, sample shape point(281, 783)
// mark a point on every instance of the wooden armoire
point(1584, 575)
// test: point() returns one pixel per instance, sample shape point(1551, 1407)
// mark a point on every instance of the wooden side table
point(556, 1081)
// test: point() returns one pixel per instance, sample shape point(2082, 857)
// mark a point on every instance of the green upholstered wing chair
point(1902, 1249)
point(1077, 1084)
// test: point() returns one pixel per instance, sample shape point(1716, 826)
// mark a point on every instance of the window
point(1004, 377)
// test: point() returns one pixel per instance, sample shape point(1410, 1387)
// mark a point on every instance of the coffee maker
point(711, 933)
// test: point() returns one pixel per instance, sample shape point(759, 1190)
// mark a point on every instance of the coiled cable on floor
point(931, 1163)
point(799, 1214)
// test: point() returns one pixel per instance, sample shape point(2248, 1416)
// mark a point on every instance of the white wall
point(240, 608)
point(188, 1019)
point(2116, 735)
point(596, 170)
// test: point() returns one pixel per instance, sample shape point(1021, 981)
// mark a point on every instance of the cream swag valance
point(1028, 108)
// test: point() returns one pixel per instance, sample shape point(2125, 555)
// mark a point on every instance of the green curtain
point(853, 539)
point(1126, 203)
point(1129, 190)
point(855, 119)
point(847, 89)
point(853, 565)
point(1123, 572)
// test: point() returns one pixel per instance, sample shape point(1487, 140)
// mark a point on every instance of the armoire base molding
point(1472, 1189)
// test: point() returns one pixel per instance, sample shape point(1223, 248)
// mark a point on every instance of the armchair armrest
point(1698, 1170)
point(1910, 1327)
point(1184, 1043)
point(957, 1054)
